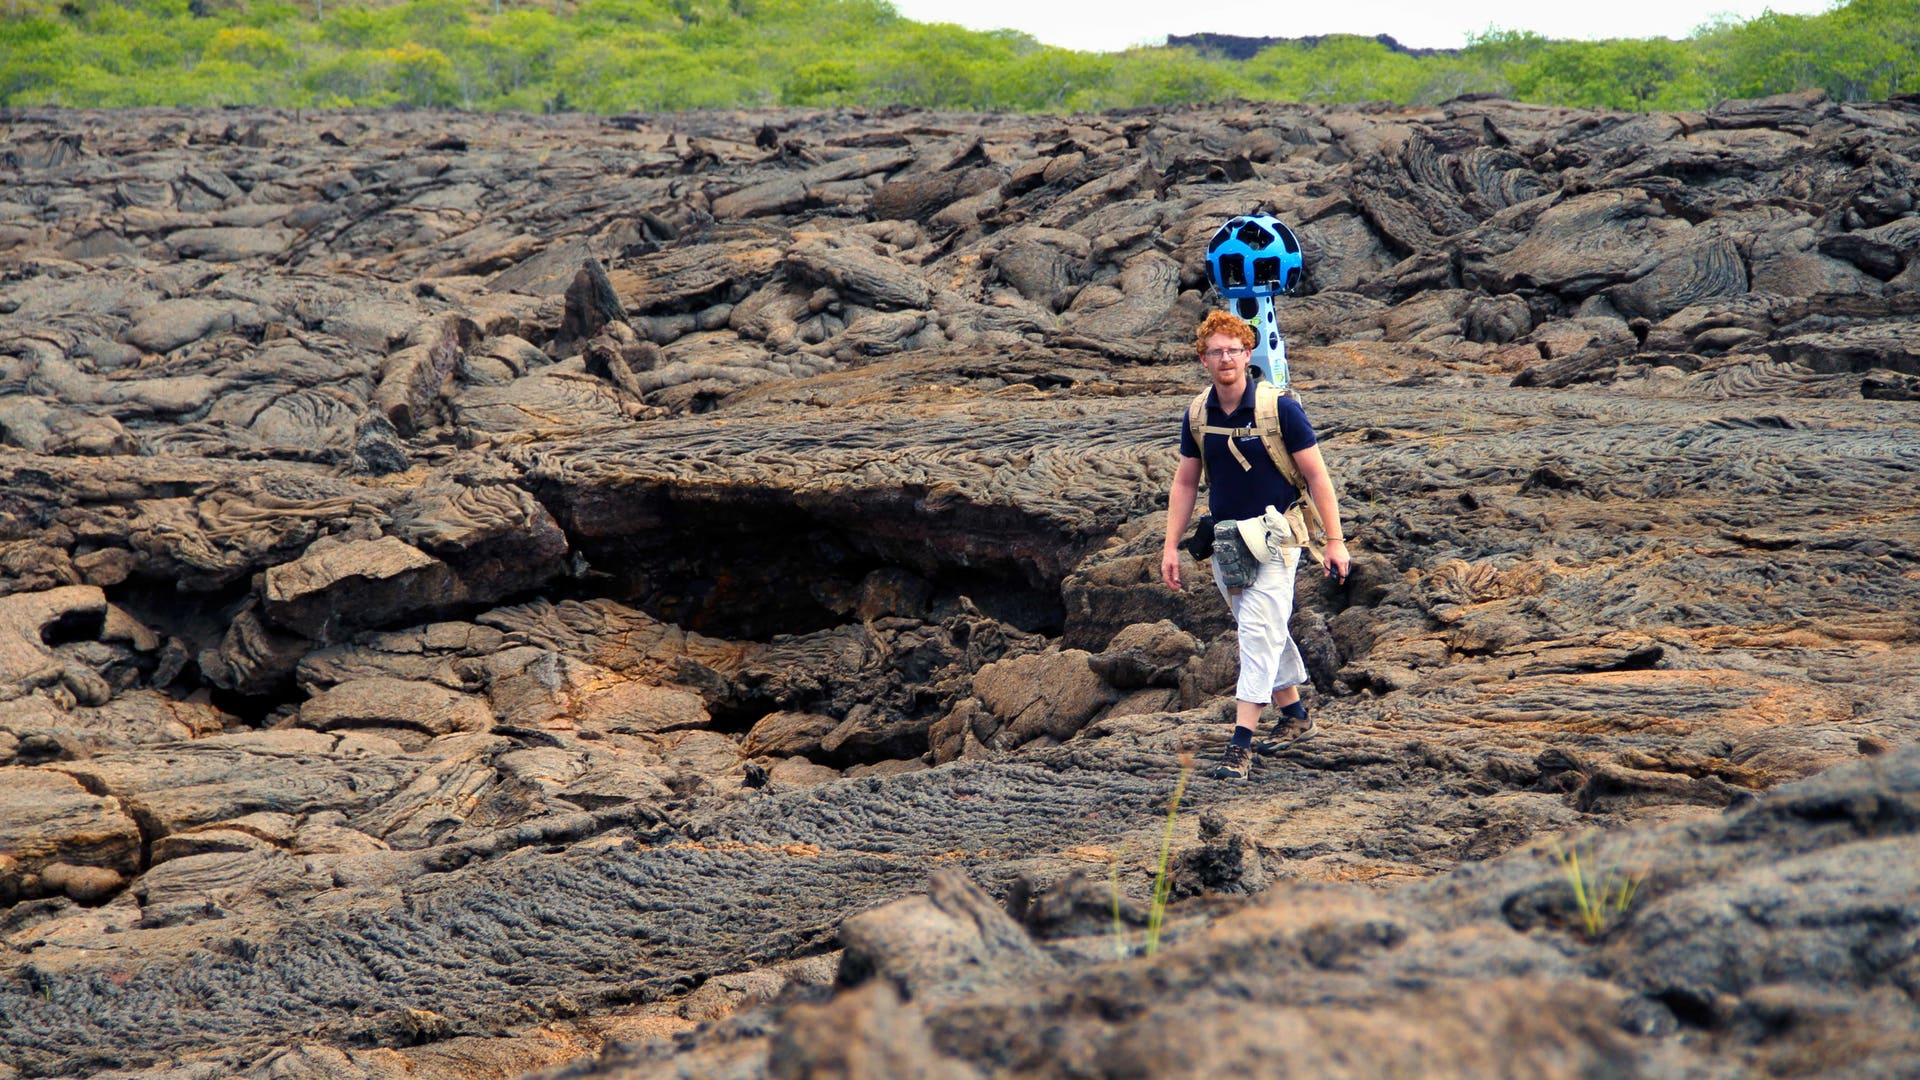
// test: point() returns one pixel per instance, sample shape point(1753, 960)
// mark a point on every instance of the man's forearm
point(1327, 504)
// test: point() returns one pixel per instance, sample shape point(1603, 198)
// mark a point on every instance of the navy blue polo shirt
point(1235, 493)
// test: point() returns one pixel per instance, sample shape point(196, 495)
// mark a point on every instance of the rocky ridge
point(678, 594)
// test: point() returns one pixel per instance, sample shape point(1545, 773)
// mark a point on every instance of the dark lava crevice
point(753, 564)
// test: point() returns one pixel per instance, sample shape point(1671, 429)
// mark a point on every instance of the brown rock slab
point(636, 708)
point(169, 324)
point(340, 587)
point(409, 710)
point(785, 733)
point(50, 817)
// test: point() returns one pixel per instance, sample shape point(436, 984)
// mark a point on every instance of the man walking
point(1246, 485)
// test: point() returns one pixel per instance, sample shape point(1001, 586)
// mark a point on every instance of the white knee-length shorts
point(1269, 659)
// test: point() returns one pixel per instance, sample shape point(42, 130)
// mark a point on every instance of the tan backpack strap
point(1196, 417)
point(1266, 415)
point(1197, 427)
point(1233, 447)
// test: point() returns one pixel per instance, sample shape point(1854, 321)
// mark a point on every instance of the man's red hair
point(1222, 322)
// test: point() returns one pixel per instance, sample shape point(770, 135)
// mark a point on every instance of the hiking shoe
point(1235, 764)
point(1290, 729)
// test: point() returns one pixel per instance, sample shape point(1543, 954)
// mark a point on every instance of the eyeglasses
point(1215, 355)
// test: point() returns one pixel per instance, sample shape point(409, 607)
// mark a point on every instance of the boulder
point(1050, 694)
point(953, 940)
point(170, 324)
point(1145, 654)
point(408, 711)
point(339, 587)
point(52, 820)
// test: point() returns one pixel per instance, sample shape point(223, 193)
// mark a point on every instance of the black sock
point(1297, 710)
point(1242, 737)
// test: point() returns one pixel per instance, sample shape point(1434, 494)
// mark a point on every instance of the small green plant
point(1162, 879)
point(1601, 895)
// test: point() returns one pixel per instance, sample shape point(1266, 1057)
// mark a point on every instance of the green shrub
point(1341, 68)
point(664, 54)
point(1606, 74)
point(213, 83)
point(1866, 50)
point(363, 28)
point(421, 75)
point(1050, 79)
point(1167, 77)
point(358, 77)
point(251, 46)
point(34, 54)
point(820, 82)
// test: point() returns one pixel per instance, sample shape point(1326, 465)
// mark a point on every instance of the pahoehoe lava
point(485, 595)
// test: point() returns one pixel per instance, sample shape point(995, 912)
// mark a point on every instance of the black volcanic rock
point(1241, 47)
point(411, 661)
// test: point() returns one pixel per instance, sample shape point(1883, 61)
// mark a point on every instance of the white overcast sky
point(1097, 26)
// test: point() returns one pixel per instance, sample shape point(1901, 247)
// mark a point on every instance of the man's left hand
point(1338, 561)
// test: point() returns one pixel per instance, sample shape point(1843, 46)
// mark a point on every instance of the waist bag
point(1232, 557)
point(1239, 547)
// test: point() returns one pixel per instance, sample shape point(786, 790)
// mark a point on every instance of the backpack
point(1302, 517)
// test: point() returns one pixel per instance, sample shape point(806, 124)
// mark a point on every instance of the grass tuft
point(1602, 896)
point(1162, 879)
